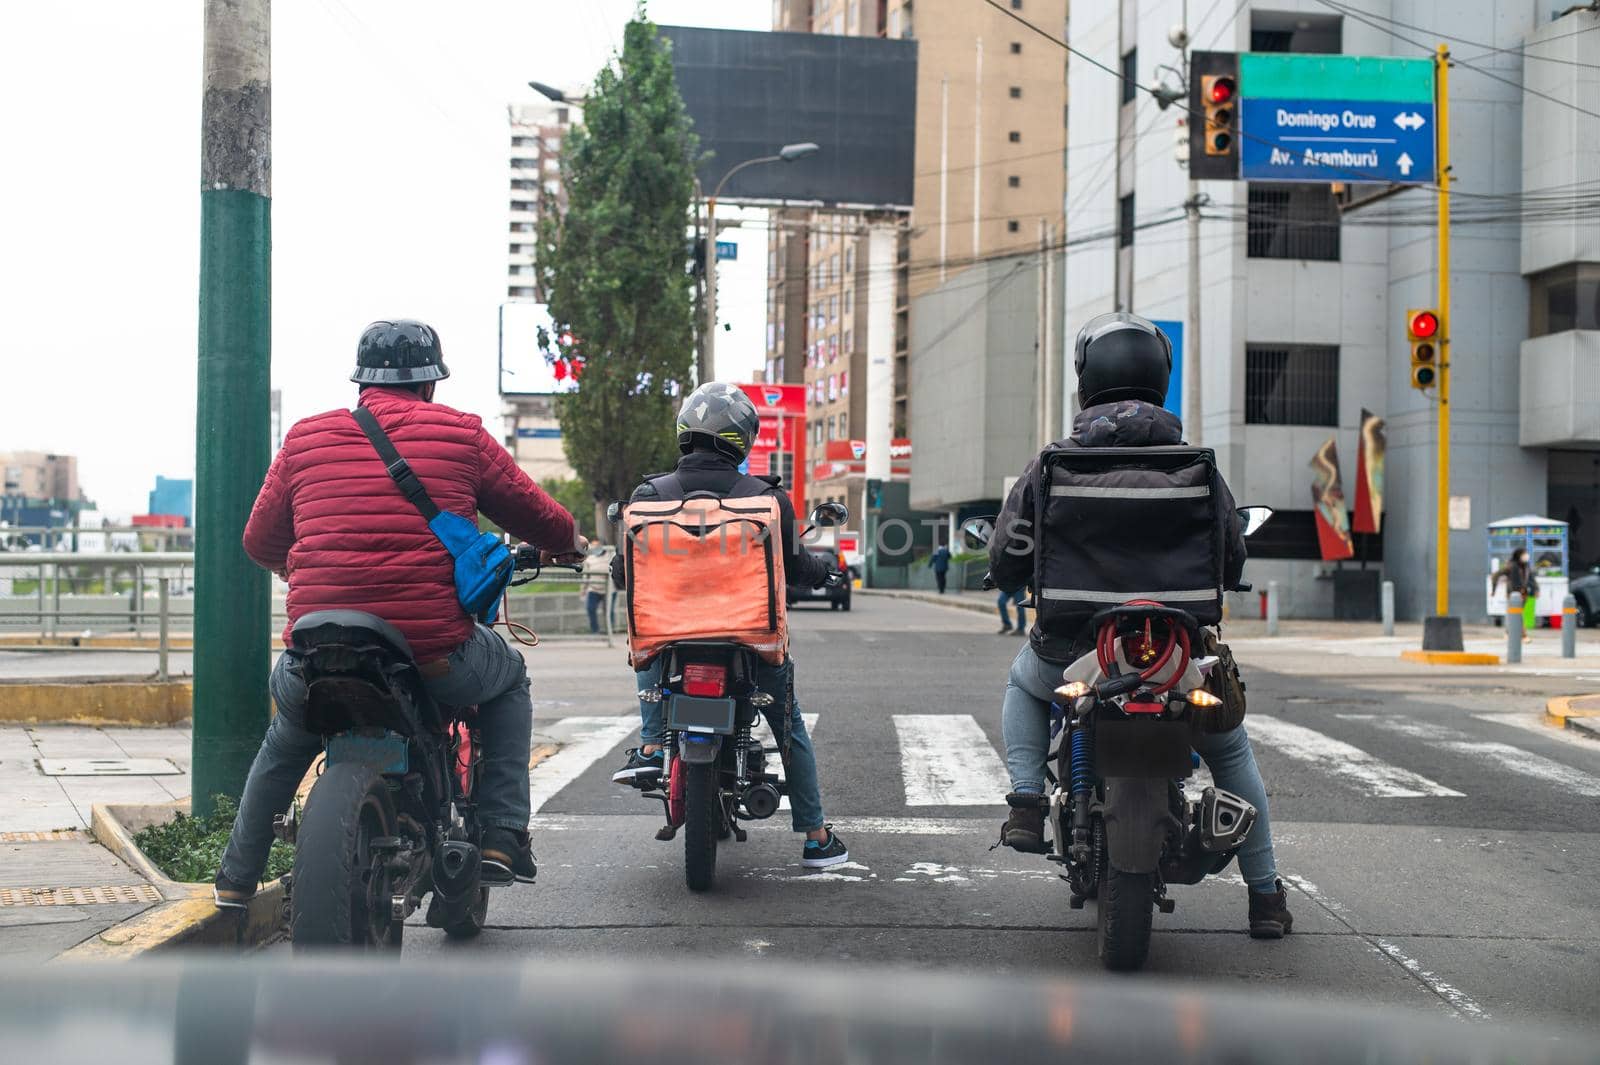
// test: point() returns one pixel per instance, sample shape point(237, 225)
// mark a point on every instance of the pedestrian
point(940, 561)
point(1518, 575)
point(1018, 597)
point(596, 583)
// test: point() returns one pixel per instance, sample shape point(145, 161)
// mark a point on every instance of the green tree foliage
point(574, 495)
point(613, 267)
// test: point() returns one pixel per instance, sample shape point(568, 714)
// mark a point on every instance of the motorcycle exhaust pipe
point(760, 800)
point(456, 870)
point(1224, 820)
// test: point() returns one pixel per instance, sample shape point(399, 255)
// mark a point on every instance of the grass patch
point(190, 848)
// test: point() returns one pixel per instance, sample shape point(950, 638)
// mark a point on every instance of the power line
point(1491, 49)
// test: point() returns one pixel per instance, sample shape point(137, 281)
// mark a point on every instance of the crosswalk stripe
point(1380, 779)
point(584, 741)
point(763, 732)
point(947, 760)
point(1503, 755)
point(1536, 724)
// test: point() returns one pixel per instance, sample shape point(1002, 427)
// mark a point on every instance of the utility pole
point(708, 350)
point(232, 596)
point(1191, 338)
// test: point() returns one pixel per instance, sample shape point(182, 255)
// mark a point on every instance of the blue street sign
point(727, 249)
point(1174, 331)
point(1336, 140)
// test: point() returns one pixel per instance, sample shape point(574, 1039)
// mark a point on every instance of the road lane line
point(584, 741)
point(947, 760)
point(1536, 724)
point(1380, 779)
point(1503, 755)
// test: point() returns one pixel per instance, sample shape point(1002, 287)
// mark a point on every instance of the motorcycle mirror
point(830, 515)
point(976, 533)
point(1252, 518)
point(614, 512)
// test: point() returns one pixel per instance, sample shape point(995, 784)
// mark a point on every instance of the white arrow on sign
point(1406, 162)
point(1410, 121)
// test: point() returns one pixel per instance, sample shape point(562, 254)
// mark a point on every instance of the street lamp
point(550, 92)
point(787, 154)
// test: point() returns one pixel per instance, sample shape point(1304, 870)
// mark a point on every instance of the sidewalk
point(57, 886)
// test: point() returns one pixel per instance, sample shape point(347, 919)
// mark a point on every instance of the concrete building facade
point(537, 132)
point(1302, 306)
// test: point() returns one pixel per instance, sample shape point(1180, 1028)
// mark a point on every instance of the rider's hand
point(580, 549)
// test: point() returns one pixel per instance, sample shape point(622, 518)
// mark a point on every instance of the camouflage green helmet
point(723, 415)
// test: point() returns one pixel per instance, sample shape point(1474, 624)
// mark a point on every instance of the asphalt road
point(1439, 840)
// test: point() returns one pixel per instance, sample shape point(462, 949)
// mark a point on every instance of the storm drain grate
point(99, 895)
point(58, 835)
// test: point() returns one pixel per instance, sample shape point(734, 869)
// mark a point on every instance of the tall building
point(39, 488)
point(537, 132)
point(1303, 304)
point(173, 497)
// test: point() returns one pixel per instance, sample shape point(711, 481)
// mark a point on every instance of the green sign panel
point(1289, 76)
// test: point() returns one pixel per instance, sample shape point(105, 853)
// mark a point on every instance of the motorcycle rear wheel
point(341, 892)
point(1125, 905)
point(702, 825)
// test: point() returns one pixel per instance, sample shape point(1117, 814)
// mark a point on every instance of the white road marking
point(1504, 755)
point(763, 732)
point(946, 760)
point(1380, 779)
point(584, 741)
point(1537, 724)
point(919, 826)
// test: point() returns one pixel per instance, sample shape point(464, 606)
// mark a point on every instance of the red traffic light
point(1221, 90)
point(1424, 324)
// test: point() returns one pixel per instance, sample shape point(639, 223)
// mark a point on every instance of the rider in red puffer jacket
point(331, 522)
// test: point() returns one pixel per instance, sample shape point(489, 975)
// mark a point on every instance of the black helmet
point(722, 414)
point(401, 352)
point(1122, 356)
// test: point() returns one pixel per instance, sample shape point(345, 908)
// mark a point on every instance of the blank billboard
point(751, 93)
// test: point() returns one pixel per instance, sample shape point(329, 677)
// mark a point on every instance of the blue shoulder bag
point(484, 564)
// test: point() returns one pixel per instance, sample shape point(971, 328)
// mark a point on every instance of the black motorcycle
point(393, 815)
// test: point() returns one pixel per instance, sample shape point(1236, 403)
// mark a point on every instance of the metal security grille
point(1291, 384)
point(1292, 222)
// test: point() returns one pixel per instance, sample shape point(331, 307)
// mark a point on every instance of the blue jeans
point(799, 760)
point(484, 672)
point(1018, 597)
point(592, 602)
point(1025, 724)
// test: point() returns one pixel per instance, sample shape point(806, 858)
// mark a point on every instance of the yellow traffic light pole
point(1441, 62)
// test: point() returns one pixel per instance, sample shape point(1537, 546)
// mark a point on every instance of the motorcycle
point(392, 817)
point(716, 773)
point(1122, 822)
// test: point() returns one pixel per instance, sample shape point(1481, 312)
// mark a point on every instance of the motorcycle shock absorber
point(741, 748)
point(1081, 785)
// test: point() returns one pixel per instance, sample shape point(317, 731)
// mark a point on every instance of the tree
point(614, 268)
point(575, 496)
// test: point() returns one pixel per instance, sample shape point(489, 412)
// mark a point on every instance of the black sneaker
point(230, 894)
point(507, 858)
point(821, 855)
point(1269, 913)
point(641, 770)
point(1006, 631)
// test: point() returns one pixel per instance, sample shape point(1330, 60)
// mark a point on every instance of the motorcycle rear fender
point(695, 749)
point(1138, 819)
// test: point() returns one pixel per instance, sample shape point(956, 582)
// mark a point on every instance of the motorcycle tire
point(335, 901)
point(471, 923)
point(1125, 905)
point(702, 825)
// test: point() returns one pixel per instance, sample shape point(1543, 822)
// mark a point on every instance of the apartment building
point(536, 135)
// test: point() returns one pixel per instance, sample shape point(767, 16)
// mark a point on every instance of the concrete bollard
point(1272, 608)
point(1513, 628)
point(1569, 627)
point(1388, 608)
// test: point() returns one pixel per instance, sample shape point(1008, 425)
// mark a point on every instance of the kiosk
point(1546, 541)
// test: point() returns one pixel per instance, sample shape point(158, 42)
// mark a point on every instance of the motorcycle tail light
point(701, 678)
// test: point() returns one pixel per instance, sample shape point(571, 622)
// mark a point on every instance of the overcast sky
point(389, 199)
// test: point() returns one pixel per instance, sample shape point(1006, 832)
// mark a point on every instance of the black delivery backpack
point(1121, 523)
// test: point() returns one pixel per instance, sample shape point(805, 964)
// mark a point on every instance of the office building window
point(1291, 384)
point(1125, 221)
point(1567, 297)
point(1292, 221)
point(1016, 92)
point(1130, 76)
point(1014, 137)
point(1016, 5)
point(1016, 47)
point(1014, 182)
point(1012, 226)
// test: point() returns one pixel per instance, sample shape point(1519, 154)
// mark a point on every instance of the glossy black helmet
point(722, 415)
point(1122, 356)
point(399, 352)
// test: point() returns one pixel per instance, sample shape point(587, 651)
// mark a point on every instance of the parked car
point(838, 598)
point(1586, 590)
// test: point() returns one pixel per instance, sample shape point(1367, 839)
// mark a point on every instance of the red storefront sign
point(780, 445)
point(848, 458)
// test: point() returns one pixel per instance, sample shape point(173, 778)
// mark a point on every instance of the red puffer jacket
point(331, 519)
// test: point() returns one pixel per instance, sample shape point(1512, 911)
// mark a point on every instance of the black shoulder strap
point(667, 485)
point(400, 471)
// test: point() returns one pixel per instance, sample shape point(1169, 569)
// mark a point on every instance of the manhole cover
point(100, 895)
point(107, 767)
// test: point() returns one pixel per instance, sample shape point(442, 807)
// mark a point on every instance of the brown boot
point(1269, 913)
point(1024, 829)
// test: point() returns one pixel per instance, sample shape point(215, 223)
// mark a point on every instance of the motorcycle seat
point(306, 631)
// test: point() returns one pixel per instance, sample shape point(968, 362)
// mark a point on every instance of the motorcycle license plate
point(385, 753)
point(1142, 749)
point(692, 713)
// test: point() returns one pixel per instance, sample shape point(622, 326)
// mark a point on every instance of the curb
point(1562, 712)
point(188, 917)
point(1451, 658)
point(30, 642)
point(934, 600)
point(114, 702)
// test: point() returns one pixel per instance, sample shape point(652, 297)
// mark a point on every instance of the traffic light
point(1217, 93)
point(1422, 330)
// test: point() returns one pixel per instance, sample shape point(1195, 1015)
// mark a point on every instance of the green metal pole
point(232, 604)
